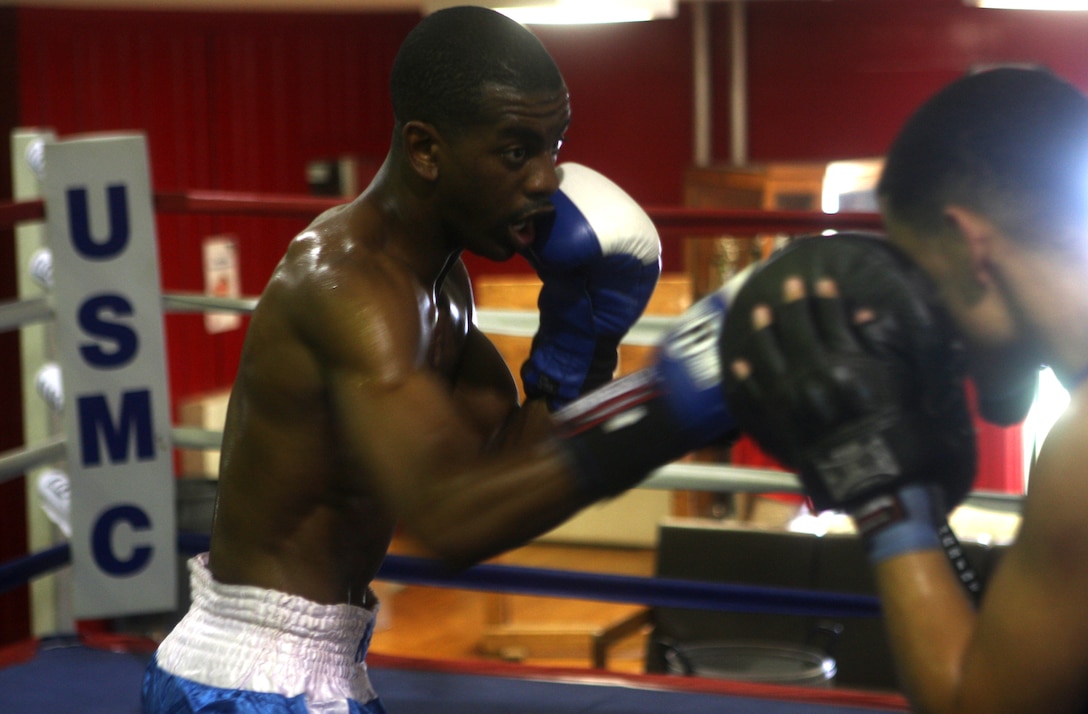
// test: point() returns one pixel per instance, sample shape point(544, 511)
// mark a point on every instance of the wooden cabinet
point(773, 187)
point(711, 260)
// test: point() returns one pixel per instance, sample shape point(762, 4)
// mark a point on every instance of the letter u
point(79, 223)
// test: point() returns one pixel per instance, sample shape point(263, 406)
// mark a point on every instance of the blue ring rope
point(18, 571)
point(654, 591)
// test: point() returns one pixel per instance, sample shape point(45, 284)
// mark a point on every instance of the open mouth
point(536, 224)
point(524, 233)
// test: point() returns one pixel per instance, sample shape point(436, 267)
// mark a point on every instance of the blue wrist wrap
point(901, 522)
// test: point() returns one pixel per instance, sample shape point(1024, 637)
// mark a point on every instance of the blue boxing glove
point(616, 435)
point(599, 257)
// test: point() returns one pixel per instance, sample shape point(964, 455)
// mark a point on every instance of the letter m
point(134, 424)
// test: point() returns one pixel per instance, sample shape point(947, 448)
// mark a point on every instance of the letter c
point(102, 540)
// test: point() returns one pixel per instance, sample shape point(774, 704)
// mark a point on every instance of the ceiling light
point(1080, 5)
point(570, 12)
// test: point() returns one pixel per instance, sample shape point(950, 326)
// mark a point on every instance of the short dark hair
point(1011, 143)
point(448, 59)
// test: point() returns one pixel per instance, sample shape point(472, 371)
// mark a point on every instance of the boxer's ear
point(421, 142)
point(978, 233)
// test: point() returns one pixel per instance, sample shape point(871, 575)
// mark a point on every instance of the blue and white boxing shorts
point(246, 649)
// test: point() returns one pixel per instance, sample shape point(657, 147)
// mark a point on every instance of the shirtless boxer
point(986, 188)
point(367, 399)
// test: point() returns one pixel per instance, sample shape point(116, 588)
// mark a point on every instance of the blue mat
point(423, 692)
point(69, 678)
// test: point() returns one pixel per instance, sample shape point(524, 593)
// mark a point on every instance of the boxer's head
point(1011, 144)
point(454, 57)
point(992, 169)
point(481, 110)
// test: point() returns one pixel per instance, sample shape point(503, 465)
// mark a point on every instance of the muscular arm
point(1027, 648)
point(463, 469)
point(485, 392)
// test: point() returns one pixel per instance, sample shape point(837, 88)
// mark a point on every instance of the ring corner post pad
point(111, 348)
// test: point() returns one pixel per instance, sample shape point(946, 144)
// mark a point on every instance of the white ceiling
point(258, 5)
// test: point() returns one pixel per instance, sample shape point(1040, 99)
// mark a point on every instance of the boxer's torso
point(294, 515)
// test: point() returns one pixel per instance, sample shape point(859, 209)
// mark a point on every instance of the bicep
point(426, 462)
point(417, 441)
point(395, 421)
point(398, 435)
point(484, 386)
point(1030, 652)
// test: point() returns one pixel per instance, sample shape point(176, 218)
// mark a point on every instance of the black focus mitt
point(859, 408)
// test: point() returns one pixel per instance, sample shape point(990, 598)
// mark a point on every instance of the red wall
point(13, 539)
point(836, 79)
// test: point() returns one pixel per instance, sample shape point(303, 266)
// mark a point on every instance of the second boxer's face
point(1001, 350)
point(500, 173)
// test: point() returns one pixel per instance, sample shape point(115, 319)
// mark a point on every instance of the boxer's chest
point(448, 331)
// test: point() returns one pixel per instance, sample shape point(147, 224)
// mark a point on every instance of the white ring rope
point(15, 461)
point(647, 331)
point(678, 476)
point(682, 475)
point(513, 323)
point(698, 476)
point(16, 313)
point(198, 302)
point(520, 323)
point(192, 437)
point(523, 323)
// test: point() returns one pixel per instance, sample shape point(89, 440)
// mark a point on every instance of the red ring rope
point(690, 221)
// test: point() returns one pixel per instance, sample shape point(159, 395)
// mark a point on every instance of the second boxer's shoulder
point(1068, 437)
point(1058, 483)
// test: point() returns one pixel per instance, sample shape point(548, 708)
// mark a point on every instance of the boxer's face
point(499, 173)
point(1001, 347)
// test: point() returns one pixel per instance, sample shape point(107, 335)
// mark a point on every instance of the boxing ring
point(420, 686)
point(101, 672)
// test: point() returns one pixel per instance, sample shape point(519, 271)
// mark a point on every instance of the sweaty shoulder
point(1057, 504)
point(351, 303)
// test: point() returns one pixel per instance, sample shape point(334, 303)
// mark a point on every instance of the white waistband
point(250, 638)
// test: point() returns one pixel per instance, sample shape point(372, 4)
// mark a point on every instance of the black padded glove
point(859, 410)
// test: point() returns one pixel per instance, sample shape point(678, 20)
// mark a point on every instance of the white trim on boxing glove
point(605, 204)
